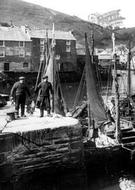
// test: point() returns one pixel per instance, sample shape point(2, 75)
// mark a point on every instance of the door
point(6, 66)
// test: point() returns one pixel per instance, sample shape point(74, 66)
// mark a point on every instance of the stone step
point(128, 139)
point(128, 134)
point(125, 133)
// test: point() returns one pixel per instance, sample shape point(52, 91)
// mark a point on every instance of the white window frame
point(42, 53)
point(42, 42)
point(42, 48)
point(23, 45)
point(68, 42)
point(21, 53)
point(3, 45)
point(68, 49)
point(3, 51)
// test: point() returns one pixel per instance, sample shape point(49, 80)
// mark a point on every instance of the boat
point(34, 144)
point(102, 133)
point(125, 183)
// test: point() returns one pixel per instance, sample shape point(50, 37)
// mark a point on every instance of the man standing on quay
point(18, 93)
point(45, 88)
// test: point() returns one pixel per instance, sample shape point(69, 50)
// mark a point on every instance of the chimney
point(25, 29)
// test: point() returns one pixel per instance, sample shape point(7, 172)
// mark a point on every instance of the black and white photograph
point(67, 95)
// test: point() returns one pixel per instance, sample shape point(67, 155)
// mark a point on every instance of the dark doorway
point(6, 66)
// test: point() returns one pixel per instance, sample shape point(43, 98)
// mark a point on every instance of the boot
point(22, 111)
point(41, 113)
point(48, 113)
point(16, 114)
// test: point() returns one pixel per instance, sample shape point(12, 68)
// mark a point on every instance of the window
point(42, 45)
point(2, 53)
point(68, 49)
point(42, 53)
point(2, 43)
point(42, 57)
point(21, 44)
point(42, 48)
point(68, 42)
point(41, 42)
point(21, 53)
point(25, 64)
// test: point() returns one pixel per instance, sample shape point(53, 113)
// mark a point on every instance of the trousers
point(20, 101)
point(44, 105)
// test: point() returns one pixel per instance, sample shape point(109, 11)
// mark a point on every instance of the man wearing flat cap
point(19, 92)
point(45, 89)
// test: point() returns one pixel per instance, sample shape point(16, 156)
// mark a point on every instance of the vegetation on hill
point(19, 12)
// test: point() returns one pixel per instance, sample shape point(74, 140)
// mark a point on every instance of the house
point(15, 49)
point(81, 57)
point(65, 49)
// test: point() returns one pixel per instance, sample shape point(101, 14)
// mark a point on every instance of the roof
point(13, 34)
point(59, 35)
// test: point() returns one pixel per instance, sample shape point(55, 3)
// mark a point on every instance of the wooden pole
point(129, 71)
point(53, 55)
point(53, 97)
point(116, 87)
point(129, 77)
point(117, 121)
point(90, 123)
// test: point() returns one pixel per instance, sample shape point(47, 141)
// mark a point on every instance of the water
point(88, 179)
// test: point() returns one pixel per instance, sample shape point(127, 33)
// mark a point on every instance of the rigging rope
point(38, 76)
point(80, 88)
point(130, 150)
point(108, 83)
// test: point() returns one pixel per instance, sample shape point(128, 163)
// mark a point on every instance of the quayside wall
point(49, 148)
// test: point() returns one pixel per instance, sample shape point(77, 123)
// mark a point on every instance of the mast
point(90, 126)
point(91, 118)
point(129, 71)
point(53, 57)
point(116, 86)
point(129, 77)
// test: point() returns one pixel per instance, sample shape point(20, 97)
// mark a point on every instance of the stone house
point(65, 49)
point(15, 49)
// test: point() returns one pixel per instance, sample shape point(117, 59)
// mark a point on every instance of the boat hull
point(106, 158)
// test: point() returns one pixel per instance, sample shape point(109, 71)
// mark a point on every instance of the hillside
point(23, 13)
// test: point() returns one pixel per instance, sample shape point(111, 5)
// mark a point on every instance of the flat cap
point(45, 77)
point(21, 78)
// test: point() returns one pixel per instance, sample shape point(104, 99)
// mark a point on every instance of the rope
point(7, 121)
point(24, 138)
point(37, 145)
point(108, 82)
point(62, 95)
point(126, 148)
point(130, 150)
point(79, 90)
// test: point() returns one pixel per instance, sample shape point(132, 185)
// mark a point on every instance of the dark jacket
point(45, 89)
point(20, 89)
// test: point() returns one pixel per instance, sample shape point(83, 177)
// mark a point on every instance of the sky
point(82, 8)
